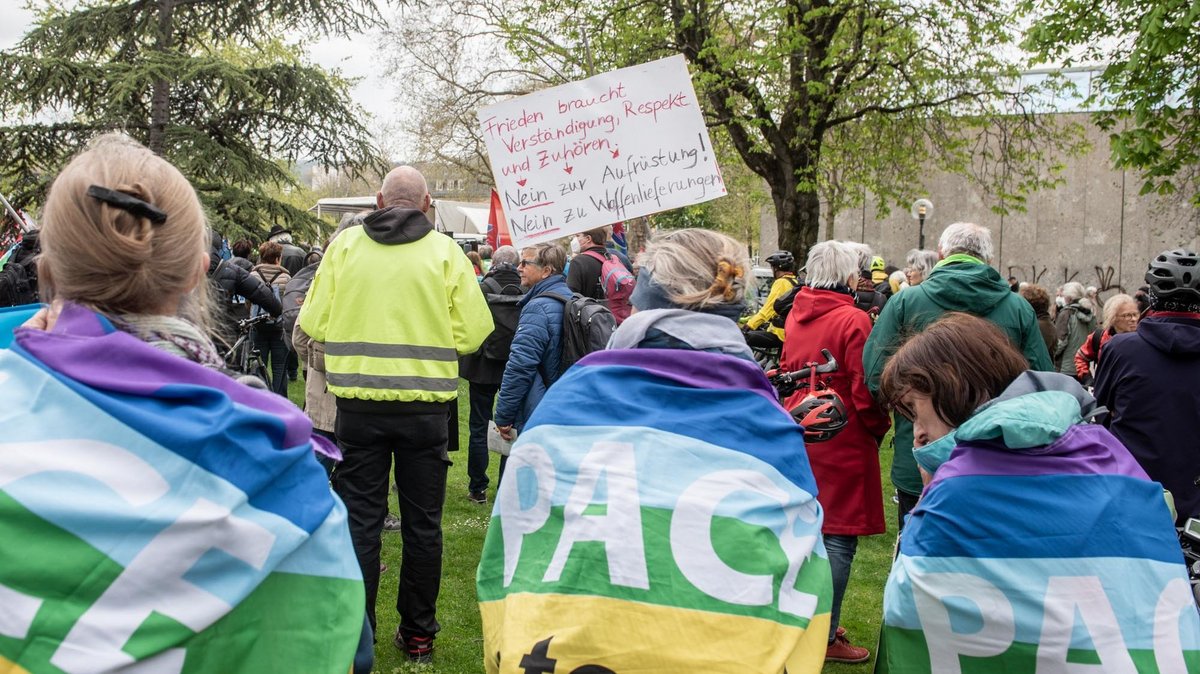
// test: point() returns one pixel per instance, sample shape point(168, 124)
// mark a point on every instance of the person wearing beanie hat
point(1147, 380)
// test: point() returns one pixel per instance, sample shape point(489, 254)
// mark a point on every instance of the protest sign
point(620, 145)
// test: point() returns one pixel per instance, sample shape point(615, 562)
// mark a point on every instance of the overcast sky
point(351, 55)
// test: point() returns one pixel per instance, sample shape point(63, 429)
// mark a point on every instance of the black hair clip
point(129, 203)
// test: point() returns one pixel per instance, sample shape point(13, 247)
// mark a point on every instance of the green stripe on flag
point(289, 622)
point(747, 548)
point(907, 653)
point(82, 573)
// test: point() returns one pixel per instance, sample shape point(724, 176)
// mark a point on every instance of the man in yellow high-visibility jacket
point(783, 264)
point(395, 304)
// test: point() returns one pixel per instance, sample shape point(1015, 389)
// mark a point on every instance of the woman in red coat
point(846, 466)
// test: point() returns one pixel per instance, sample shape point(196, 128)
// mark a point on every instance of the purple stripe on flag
point(82, 348)
point(1085, 449)
point(699, 369)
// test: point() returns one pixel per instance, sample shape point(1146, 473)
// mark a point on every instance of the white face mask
point(1060, 302)
point(575, 245)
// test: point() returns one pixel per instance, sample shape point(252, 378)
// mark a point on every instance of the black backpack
point(293, 294)
point(783, 305)
point(502, 301)
point(587, 326)
point(18, 278)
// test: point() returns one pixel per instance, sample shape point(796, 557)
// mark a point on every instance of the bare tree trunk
point(160, 101)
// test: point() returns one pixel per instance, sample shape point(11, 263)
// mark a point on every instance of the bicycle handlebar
point(778, 378)
point(247, 323)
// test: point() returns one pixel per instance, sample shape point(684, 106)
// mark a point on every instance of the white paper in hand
point(496, 443)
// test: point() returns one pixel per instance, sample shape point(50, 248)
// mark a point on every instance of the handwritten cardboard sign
point(620, 145)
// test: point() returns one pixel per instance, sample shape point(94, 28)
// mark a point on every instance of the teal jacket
point(962, 284)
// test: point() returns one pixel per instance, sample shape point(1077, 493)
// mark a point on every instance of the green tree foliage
point(208, 85)
point(1149, 90)
point(828, 98)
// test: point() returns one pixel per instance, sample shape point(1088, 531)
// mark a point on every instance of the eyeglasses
point(524, 263)
point(1130, 314)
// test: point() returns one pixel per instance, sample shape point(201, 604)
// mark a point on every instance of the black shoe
point(418, 649)
point(391, 523)
point(477, 497)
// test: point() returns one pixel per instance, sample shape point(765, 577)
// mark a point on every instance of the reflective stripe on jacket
point(394, 318)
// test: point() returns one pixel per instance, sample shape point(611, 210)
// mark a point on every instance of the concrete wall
point(1094, 228)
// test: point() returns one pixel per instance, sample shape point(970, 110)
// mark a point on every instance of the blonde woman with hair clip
point(139, 464)
point(702, 473)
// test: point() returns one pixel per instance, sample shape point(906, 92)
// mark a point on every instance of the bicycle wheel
point(256, 367)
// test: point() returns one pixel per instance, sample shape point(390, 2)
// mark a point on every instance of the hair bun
point(727, 273)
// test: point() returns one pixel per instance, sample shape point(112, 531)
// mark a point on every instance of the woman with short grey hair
point(919, 264)
point(844, 462)
point(1072, 325)
point(506, 255)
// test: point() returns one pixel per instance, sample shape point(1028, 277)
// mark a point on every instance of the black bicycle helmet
point(822, 414)
point(782, 259)
point(1174, 277)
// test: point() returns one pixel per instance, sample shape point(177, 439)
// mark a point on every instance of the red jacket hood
point(812, 303)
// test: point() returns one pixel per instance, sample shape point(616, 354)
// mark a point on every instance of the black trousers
point(907, 503)
point(269, 341)
point(483, 399)
point(417, 443)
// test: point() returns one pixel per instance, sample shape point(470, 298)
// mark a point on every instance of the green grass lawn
point(460, 643)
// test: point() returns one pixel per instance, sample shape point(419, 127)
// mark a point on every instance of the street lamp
point(921, 209)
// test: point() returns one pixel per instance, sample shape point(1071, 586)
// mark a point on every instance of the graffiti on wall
point(1105, 277)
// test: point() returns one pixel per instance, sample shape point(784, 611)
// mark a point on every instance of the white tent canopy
point(460, 217)
point(342, 205)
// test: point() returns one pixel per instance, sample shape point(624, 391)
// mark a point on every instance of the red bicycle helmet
point(822, 414)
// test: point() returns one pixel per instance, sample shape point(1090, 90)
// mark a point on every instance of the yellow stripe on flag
point(635, 638)
point(9, 667)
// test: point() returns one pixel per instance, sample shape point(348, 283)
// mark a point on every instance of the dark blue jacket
point(1150, 382)
point(536, 353)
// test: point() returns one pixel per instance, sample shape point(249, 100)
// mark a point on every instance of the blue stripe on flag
point(72, 498)
point(634, 397)
point(1130, 586)
point(661, 477)
point(233, 441)
point(1043, 516)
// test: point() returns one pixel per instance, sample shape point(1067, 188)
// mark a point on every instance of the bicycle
point(821, 412)
point(243, 356)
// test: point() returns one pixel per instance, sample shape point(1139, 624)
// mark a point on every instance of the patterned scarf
point(171, 334)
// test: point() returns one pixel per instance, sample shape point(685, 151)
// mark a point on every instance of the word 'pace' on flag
point(157, 516)
point(1056, 555)
point(615, 146)
point(643, 539)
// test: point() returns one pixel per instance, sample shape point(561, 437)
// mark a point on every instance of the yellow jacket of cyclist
point(782, 286)
point(395, 304)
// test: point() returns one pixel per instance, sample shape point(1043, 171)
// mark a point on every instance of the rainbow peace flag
point(658, 514)
point(1060, 560)
point(156, 516)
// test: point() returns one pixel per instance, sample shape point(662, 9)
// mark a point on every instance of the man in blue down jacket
point(1148, 377)
point(537, 345)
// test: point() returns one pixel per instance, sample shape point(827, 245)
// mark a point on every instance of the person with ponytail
point(137, 463)
point(657, 495)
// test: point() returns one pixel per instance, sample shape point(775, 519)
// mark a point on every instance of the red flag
point(497, 232)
